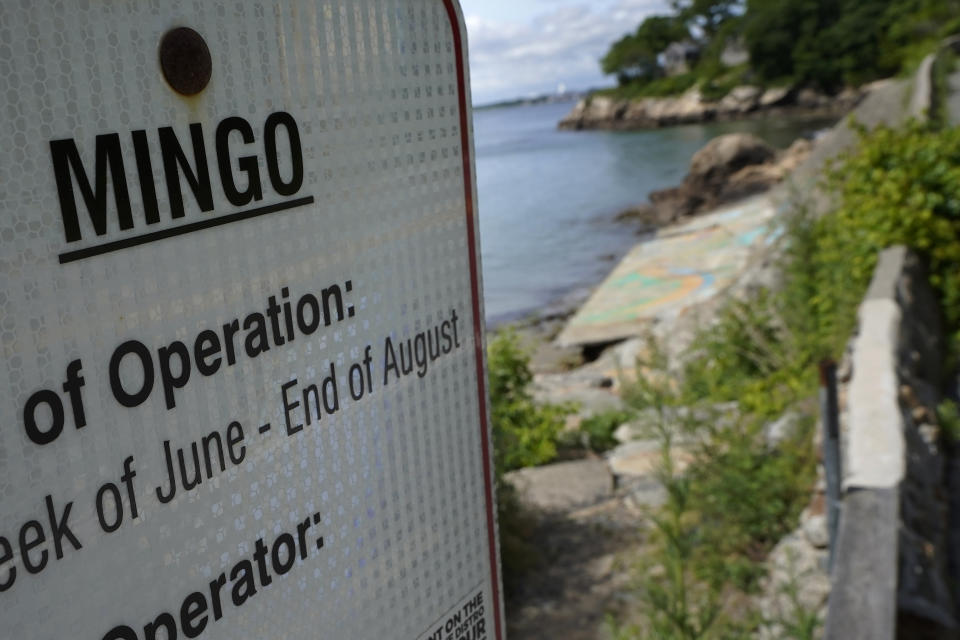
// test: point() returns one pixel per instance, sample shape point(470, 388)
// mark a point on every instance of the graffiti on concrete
point(680, 267)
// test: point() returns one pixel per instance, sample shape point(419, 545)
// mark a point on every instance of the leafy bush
point(524, 433)
point(598, 429)
point(634, 56)
point(748, 497)
point(681, 589)
point(948, 417)
point(900, 187)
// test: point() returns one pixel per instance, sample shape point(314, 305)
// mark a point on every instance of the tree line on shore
point(822, 44)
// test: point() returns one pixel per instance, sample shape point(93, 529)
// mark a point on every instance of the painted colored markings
point(681, 267)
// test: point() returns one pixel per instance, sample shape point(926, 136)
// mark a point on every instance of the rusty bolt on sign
point(185, 60)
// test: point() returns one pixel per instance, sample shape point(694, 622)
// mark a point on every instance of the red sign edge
point(453, 14)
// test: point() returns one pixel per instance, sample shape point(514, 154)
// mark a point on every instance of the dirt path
point(583, 575)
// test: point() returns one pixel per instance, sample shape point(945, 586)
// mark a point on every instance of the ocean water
point(548, 198)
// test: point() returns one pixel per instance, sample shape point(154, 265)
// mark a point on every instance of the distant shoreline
point(743, 103)
point(530, 102)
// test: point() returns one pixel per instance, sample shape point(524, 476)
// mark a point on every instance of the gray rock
point(637, 458)
point(589, 390)
point(708, 184)
point(644, 492)
point(562, 486)
point(628, 432)
point(741, 99)
point(845, 367)
point(796, 580)
point(726, 154)
point(774, 96)
point(814, 528)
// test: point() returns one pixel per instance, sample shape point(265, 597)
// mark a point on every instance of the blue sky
point(528, 47)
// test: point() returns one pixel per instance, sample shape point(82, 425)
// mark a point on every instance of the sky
point(529, 47)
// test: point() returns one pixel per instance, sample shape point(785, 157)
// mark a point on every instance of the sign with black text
point(242, 385)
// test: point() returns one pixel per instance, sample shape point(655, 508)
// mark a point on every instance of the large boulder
point(562, 486)
point(708, 184)
point(725, 155)
point(756, 178)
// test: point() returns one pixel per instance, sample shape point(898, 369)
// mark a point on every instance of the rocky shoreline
point(727, 169)
point(604, 112)
point(575, 582)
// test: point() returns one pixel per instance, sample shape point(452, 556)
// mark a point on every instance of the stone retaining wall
point(890, 578)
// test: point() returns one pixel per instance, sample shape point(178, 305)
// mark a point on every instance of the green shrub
point(597, 430)
point(748, 496)
point(948, 416)
point(524, 433)
point(900, 186)
point(683, 582)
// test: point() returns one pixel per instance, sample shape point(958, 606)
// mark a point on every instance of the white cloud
point(511, 58)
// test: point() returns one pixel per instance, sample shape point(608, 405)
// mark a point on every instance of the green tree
point(634, 56)
point(659, 32)
point(707, 15)
point(772, 30)
point(831, 43)
point(629, 60)
point(846, 48)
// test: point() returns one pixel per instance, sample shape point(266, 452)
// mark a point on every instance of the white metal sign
point(241, 390)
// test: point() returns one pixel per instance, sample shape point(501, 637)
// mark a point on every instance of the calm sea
point(548, 198)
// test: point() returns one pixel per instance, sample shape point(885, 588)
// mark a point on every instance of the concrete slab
point(682, 266)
